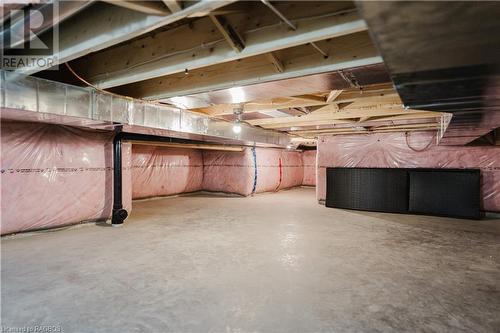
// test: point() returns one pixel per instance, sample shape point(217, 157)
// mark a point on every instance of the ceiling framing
point(352, 110)
point(307, 68)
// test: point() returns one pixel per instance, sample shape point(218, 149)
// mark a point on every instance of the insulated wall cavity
point(252, 170)
point(309, 163)
point(291, 169)
point(158, 171)
point(54, 175)
point(417, 150)
point(228, 171)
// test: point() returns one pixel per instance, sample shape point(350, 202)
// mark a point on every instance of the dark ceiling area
point(441, 59)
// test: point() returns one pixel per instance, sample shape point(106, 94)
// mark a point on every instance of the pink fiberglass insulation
point(309, 163)
point(394, 150)
point(245, 173)
point(228, 171)
point(292, 169)
point(54, 175)
point(160, 171)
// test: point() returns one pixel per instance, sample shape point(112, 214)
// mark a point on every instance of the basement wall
point(245, 173)
point(158, 171)
point(53, 176)
point(309, 163)
point(394, 150)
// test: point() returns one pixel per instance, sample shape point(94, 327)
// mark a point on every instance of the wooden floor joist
point(345, 131)
point(369, 94)
point(342, 115)
point(358, 110)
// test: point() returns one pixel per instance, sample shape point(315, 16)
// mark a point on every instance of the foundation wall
point(53, 176)
point(309, 163)
point(158, 171)
point(251, 171)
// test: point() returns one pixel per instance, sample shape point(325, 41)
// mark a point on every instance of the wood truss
point(375, 108)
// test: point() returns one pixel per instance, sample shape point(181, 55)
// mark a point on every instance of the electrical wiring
point(415, 149)
point(112, 93)
point(91, 85)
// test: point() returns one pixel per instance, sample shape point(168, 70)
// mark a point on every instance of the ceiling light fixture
point(238, 112)
point(236, 128)
point(237, 94)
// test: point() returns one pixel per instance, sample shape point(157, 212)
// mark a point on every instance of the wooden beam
point(347, 131)
point(262, 106)
point(333, 95)
point(411, 116)
point(314, 136)
point(174, 5)
point(322, 117)
point(146, 7)
point(311, 97)
point(103, 26)
point(375, 90)
point(265, 40)
point(386, 101)
point(426, 115)
point(381, 128)
point(315, 101)
point(366, 102)
point(286, 126)
point(227, 31)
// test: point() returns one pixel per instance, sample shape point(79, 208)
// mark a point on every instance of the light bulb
point(237, 128)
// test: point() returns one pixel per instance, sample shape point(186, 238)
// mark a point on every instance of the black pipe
point(119, 213)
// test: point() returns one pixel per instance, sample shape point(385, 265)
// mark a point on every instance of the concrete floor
point(270, 263)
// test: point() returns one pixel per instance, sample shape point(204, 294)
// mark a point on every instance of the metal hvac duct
point(442, 56)
point(27, 98)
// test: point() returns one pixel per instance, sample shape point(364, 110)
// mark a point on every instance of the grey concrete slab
point(270, 263)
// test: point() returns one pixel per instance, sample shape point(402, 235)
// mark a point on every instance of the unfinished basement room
point(250, 166)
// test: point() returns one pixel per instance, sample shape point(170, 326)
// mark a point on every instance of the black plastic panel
point(443, 192)
point(382, 190)
point(447, 192)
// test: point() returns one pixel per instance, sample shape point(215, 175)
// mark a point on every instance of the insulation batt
point(225, 171)
point(160, 171)
point(309, 163)
point(392, 150)
point(234, 172)
point(54, 176)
